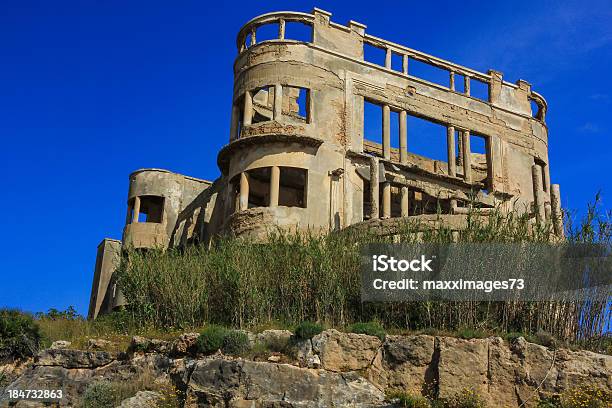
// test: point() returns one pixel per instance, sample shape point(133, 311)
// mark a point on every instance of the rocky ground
point(332, 369)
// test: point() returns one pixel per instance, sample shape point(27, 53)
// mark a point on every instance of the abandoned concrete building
point(301, 155)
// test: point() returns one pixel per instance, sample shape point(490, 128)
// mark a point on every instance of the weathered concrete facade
point(299, 154)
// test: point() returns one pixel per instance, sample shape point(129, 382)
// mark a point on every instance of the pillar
point(278, 101)
point(253, 36)
point(247, 115)
point(450, 150)
point(556, 213)
point(453, 205)
point(281, 29)
point(136, 209)
point(274, 185)
point(405, 64)
point(467, 156)
point(452, 81)
point(388, 58)
point(403, 129)
point(386, 132)
point(234, 123)
point(386, 207)
point(405, 201)
point(374, 192)
point(244, 191)
point(538, 194)
point(466, 85)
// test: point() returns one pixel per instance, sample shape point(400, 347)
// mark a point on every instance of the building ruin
point(300, 154)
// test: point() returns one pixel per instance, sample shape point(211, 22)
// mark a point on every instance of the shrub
point(211, 339)
point(235, 342)
point(19, 335)
point(466, 398)
point(468, 333)
point(307, 330)
point(99, 395)
point(585, 396)
point(370, 328)
point(409, 401)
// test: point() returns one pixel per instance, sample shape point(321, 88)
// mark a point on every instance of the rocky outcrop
point(331, 369)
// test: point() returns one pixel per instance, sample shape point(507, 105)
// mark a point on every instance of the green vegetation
point(214, 338)
point(104, 394)
point(297, 277)
point(235, 342)
point(465, 398)
point(371, 328)
point(579, 397)
point(211, 339)
point(20, 336)
point(307, 330)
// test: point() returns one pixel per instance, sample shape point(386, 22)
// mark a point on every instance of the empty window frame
point(372, 127)
point(480, 157)
point(266, 32)
point(479, 89)
point(298, 31)
point(151, 209)
point(263, 104)
point(373, 54)
point(259, 187)
point(296, 103)
point(293, 185)
point(427, 138)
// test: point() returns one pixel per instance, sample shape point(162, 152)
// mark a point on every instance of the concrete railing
point(280, 18)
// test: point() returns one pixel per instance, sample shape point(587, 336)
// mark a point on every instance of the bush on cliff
point(20, 336)
point(307, 330)
point(235, 342)
point(371, 328)
point(211, 339)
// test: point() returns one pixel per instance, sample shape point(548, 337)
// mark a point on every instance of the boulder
point(185, 344)
point(142, 399)
point(215, 381)
point(60, 344)
point(462, 364)
point(345, 351)
point(141, 344)
point(67, 358)
point(305, 354)
point(97, 344)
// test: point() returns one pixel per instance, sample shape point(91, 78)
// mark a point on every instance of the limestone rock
point(273, 337)
point(215, 381)
point(142, 399)
point(73, 358)
point(462, 364)
point(60, 344)
point(345, 351)
point(97, 344)
point(144, 345)
point(306, 356)
point(185, 344)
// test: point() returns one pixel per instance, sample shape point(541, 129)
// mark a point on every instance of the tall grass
point(294, 277)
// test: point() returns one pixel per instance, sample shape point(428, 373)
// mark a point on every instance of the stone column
point(538, 194)
point(274, 185)
point(386, 212)
point(405, 64)
point(386, 132)
point(234, 123)
point(253, 36)
point(403, 130)
point(405, 201)
point(374, 185)
point(388, 58)
point(244, 191)
point(453, 205)
point(466, 85)
point(281, 29)
point(467, 156)
point(556, 213)
point(247, 115)
point(136, 209)
point(278, 102)
point(450, 149)
point(451, 81)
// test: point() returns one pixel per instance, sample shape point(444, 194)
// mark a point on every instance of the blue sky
point(92, 90)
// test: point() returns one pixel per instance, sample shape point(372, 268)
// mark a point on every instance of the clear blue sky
point(92, 90)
